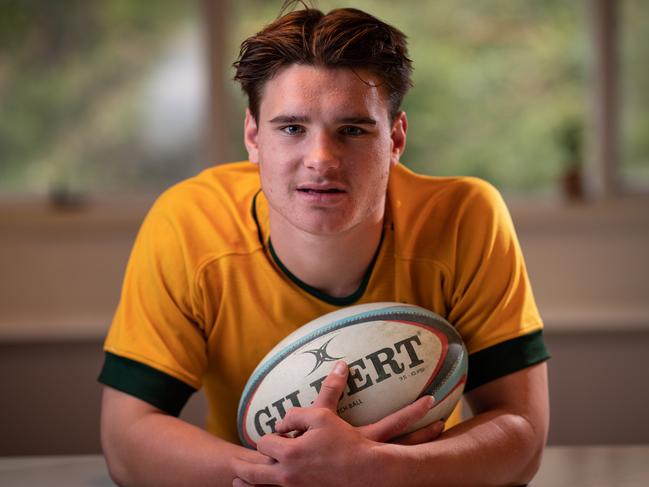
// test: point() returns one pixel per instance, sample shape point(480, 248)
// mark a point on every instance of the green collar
point(336, 301)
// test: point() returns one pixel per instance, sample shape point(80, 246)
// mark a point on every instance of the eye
point(352, 130)
point(292, 129)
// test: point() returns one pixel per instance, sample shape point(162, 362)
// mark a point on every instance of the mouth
point(322, 195)
point(320, 189)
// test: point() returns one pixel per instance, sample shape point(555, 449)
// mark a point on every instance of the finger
point(396, 423)
point(237, 482)
point(332, 387)
point(253, 456)
point(423, 435)
point(254, 473)
point(299, 420)
point(273, 446)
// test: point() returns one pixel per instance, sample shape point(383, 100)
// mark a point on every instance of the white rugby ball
point(396, 353)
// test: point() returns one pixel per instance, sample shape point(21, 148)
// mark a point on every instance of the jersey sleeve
point(492, 305)
point(156, 345)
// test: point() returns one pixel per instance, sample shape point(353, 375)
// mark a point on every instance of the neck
point(318, 261)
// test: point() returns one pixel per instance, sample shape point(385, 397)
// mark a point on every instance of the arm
point(145, 446)
point(501, 445)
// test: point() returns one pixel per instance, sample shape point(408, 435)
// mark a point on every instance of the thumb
point(332, 387)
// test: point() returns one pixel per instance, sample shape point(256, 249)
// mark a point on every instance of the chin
point(325, 231)
point(325, 228)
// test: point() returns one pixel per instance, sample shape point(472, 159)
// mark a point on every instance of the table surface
point(593, 466)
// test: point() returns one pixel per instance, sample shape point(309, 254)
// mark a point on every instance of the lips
point(320, 191)
point(329, 194)
point(321, 188)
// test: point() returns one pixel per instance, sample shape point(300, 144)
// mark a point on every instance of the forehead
point(306, 88)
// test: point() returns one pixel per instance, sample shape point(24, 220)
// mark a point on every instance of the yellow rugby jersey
point(205, 298)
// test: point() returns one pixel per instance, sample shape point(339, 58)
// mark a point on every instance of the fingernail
point(340, 368)
point(431, 402)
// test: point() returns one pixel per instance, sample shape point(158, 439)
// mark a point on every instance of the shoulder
point(226, 184)
point(442, 199)
point(437, 217)
point(407, 185)
point(210, 212)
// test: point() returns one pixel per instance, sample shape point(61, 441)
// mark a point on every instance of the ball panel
point(442, 409)
point(453, 367)
point(347, 317)
point(355, 314)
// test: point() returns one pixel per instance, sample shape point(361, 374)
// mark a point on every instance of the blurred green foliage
point(69, 76)
point(494, 82)
point(497, 84)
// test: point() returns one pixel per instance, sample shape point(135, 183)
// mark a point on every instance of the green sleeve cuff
point(505, 358)
point(139, 380)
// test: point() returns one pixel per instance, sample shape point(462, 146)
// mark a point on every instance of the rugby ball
point(396, 353)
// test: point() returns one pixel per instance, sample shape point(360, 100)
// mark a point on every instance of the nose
point(322, 153)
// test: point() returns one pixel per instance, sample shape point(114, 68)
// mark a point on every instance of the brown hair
point(343, 38)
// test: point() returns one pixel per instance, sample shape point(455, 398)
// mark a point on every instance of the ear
point(398, 136)
point(250, 133)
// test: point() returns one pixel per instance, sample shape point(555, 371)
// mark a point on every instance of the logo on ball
point(321, 356)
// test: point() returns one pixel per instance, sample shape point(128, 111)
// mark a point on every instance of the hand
point(386, 429)
point(328, 450)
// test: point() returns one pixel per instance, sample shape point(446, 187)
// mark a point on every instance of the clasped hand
point(313, 446)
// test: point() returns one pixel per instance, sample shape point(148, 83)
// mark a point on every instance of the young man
point(324, 215)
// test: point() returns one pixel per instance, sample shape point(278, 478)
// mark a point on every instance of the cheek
point(275, 176)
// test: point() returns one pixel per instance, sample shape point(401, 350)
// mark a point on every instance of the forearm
point(144, 446)
point(495, 448)
point(161, 450)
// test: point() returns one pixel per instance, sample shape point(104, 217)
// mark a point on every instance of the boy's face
point(324, 143)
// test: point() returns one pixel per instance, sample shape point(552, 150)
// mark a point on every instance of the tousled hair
point(343, 38)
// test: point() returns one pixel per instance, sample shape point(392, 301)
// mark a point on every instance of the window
point(113, 94)
point(99, 95)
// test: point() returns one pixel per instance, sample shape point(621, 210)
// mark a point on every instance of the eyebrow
point(358, 120)
point(289, 119)
point(304, 119)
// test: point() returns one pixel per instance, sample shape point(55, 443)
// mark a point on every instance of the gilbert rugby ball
point(396, 353)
